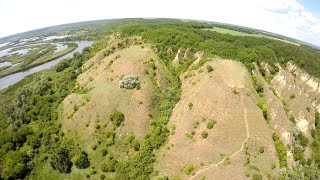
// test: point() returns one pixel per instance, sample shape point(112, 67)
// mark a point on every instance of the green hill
point(165, 99)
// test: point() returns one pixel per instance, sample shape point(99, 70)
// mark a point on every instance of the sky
point(299, 19)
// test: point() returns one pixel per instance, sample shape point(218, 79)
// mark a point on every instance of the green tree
point(60, 160)
point(81, 160)
point(14, 165)
point(109, 164)
point(116, 117)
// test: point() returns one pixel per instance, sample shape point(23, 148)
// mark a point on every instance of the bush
point(211, 123)
point(204, 134)
point(189, 169)
point(33, 141)
point(109, 137)
point(81, 160)
point(281, 150)
point(261, 149)
point(116, 117)
point(103, 152)
point(132, 142)
point(298, 155)
point(62, 65)
point(292, 119)
point(14, 165)
point(303, 140)
point(257, 176)
point(257, 86)
point(60, 160)
point(153, 66)
point(129, 82)
point(209, 68)
point(292, 96)
point(190, 105)
point(109, 164)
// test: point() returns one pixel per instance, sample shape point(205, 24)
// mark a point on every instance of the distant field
point(238, 33)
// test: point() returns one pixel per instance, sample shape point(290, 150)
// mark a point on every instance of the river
point(16, 77)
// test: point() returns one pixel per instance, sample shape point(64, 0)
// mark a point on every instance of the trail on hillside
point(235, 153)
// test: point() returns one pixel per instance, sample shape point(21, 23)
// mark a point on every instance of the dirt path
point(235, 153)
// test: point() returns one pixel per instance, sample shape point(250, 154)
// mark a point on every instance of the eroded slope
point(226, 97)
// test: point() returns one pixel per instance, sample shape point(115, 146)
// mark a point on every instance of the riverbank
point(39, 61)
point(14, 78)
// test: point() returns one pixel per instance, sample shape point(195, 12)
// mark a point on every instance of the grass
point(238, 33)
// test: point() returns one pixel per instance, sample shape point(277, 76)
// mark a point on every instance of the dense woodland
point(29, 131)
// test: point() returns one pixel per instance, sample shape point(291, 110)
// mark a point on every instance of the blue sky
point(299, 19)
point(313, 6)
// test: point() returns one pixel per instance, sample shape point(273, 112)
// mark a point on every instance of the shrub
point(129, 82)
point(227, 161)
point(33, 141)
point(132, 142)
point(62, 65)
point(257, 176)
point(196, 125)
point(135, 144)
point(109, 136)
point(292, 96)
point(308, 109)
point(103, 152)
point(153, 66)
point(138, 87)
point(94, 147)
point(14, 165)
point(189, 169)
point(292, 119)
point(190, 105)
point(204, 134)
point(109, 164)
point(209, 68)
point(281, 150)
point(81, 160)
point(298, 155)
point(261, 149)
point(102, 176)
point(211, 123)
point(60, 160)
point(257, 86)
point(116, 117)
point(202, 178)
point(264, 109)
point(303, 140)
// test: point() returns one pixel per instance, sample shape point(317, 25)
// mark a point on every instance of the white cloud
point(294, 20)
point(286, 17)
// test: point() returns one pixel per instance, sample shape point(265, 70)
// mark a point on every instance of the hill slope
point(160, 99)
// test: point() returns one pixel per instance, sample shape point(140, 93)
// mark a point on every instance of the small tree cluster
point(81, 160)
point(116, 117)
point(281, 150)
point(60, 160)
point(109, 164)
point(132, 142)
